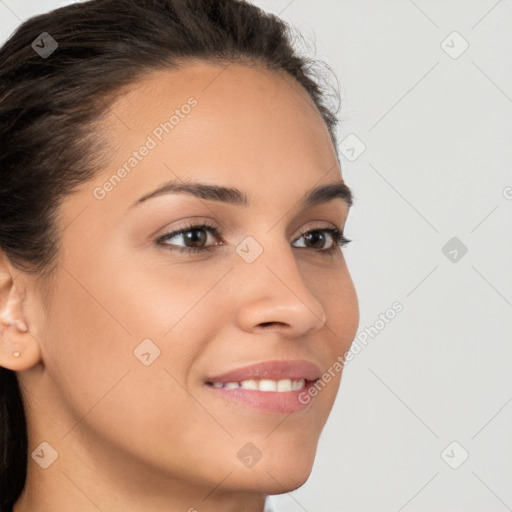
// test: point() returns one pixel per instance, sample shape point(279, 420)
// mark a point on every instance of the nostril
point(266, 324)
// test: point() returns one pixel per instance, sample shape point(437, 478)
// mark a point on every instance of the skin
point(135, 438)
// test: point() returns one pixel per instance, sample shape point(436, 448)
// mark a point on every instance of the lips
point(270, 370)
point(273, 387)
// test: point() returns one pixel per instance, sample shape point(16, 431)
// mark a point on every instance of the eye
point(194, 237)
point(316, 239)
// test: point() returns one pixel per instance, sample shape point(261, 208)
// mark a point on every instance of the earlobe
point(18, 353)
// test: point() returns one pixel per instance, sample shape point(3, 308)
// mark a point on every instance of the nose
point(275, 296)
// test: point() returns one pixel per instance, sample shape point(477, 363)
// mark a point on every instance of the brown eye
point(316, 239)
point(190, 238)
point(195, 237)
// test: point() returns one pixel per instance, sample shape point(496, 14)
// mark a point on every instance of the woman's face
point(139, 334)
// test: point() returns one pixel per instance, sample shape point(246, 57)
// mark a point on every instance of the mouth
point(273, 387)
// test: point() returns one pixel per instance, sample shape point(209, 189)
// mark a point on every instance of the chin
point(272, 482)
point(289, 481)
point(276, 473)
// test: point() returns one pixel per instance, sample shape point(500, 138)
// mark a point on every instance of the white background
point(437, 164)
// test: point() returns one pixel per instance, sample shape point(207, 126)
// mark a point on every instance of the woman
point(175, 302)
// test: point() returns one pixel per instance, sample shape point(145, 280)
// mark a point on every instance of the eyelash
point(338, 237)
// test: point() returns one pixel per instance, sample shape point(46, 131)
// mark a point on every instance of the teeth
point(298, 384)
point(267, 385)
point(249, 384)
point(282, 386)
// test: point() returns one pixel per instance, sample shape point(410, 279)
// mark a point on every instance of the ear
point(19, 350)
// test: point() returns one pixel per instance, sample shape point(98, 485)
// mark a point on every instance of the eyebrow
point(234, 196)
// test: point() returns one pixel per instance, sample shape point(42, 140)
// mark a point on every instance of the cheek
point(175, 304)
point(346, 310)
point(98, 381)
point(334, 288)
point(88, 346)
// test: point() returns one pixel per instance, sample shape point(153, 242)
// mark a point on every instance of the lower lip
point(269, 401)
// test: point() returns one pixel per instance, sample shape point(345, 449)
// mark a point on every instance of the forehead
point(235, 126)
point(251, 110)
point(214, 84)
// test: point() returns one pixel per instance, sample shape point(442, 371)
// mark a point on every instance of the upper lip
point(274, 370)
